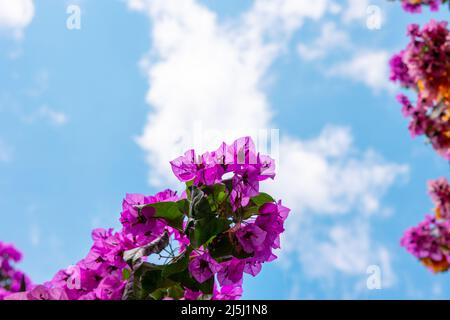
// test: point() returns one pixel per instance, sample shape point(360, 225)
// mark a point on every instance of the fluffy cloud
point(200, 69)
point(355, 10)
point(329, 39)
point(369, 68)
point(332, 177)
point(207, 85)
point(16, 15)
point(335, 195)
point(56, 118)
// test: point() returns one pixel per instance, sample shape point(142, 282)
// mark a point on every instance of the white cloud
point(355, 10)
point(341, 249)
point(334, 191)
point(56, 118)
point(334, 8)
point(201, 69)
point(16, 15)
point(331, 38)
point(206, 81)
point(369, 68)
point(331, 175)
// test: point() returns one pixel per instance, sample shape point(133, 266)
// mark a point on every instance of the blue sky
point(88, 115)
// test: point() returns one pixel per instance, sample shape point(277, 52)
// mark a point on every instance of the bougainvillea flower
point(424, 67)
point(40, 292)
point(429, 243)
point(105, 272)
point(11, 279)
point(415, 6)
point(251, 237)
point(203, 267)
point(231, 272)
point(440, 193)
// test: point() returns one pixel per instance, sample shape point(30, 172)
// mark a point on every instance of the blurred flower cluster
point(415, 6)
point(430, 240)
point(424, 66)
point(11, 279)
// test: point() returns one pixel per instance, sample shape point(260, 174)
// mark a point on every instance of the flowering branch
point(415, 6)
point(424, 67)
point(11, 279)
point(222, 228)
point(430, 240)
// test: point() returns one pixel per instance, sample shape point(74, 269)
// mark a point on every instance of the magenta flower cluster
point(430, 240)
point(255, 237)
point(240, 159)
point(415, 6)
point(424, 66)
point(219, 228)
point(11, 279)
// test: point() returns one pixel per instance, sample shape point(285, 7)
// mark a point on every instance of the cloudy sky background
point(87, 115)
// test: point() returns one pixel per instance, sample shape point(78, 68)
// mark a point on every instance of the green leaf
point(147, 282)
point(175, 292)
point(221, 248)
point(204, 224)
point(262, 199)
point(183, 206)
point(126, 274)
point(158, 294)
point(189, 183)
point(250, 211)
point(186, 280)
point(199, 205)
point(169, 211)
point(216, 192)
point(239, 252)
point(130, 291)
point(133, 289)
point(179, 264)
point(189, 226)
point(220, 192)
point(206, 229)
point(207, 287)
point(150, 280)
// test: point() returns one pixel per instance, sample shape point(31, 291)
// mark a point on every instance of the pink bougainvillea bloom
point(415, 6)
point(231, 272)
point(429, 242)
point(100, 275)
point(203, 267)
point(11, 279)
point(251, 237)
point(233, 292)
point(440, 193)
point(40, 292)
point(185, 167)
point(424, 67)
